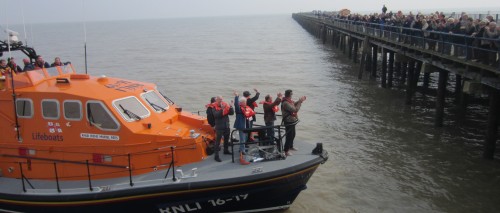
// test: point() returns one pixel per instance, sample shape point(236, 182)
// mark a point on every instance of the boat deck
point(207, 173)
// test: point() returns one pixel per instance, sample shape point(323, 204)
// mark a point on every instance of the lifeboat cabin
point(77, 124)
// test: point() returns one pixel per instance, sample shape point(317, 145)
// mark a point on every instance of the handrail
point(128, 168)
point(261, 128)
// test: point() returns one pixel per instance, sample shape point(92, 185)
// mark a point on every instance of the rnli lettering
point(123, 86)
point(181, 208)
point(100, 137)
point(208, 205)
point(44, 137)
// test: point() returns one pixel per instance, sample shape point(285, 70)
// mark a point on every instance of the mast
point(14, 98)
point(85, 36)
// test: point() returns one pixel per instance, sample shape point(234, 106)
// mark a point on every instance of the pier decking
point(408, 53)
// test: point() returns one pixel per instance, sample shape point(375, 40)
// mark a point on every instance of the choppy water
point(384, 156)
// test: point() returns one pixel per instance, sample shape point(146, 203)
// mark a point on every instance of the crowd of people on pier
point(460, 35)
point(218, 113)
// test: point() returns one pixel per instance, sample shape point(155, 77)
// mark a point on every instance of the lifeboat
point(73, 142)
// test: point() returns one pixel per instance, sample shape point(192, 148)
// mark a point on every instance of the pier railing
point(475, 49)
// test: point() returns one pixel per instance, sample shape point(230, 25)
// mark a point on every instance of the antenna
point(32, 37)
point(85, 36)
point(24, 24)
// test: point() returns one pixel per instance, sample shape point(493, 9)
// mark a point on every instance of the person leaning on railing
point(490, 34)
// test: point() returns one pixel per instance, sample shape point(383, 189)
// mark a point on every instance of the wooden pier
point(409, 60)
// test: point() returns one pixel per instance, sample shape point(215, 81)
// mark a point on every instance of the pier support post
point(365, 56)
point(458, 88)
point(418, 69)
point(491, 134)
point(349, 44)
point(384, 68)
point(404, 68)
point(409, 83)
point(390, 76)
point(368, 58)
point(333, 37)
point(374, 62)
point(323, 33)
point(441, 92)
point(427, 76)
point(356, 50)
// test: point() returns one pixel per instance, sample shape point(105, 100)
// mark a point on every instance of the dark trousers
point(290, 135)
point(270, 131)
point(219, 134)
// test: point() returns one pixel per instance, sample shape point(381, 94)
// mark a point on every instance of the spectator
point(40, 63)
point(251, 102)
point(289, 110)
point(243, 114)
point(210, 114)
point(4, 69)
point(13, 65)
point(270, 109)
point(490, 34)
point(27, 65)
point(57, 62)
point(221, 112)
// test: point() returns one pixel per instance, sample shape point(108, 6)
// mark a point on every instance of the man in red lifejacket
point(221, 111)
point(270, 109)
point(251, 102)
point(289, 110)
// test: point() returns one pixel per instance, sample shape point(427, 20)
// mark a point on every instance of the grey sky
point(72, 10)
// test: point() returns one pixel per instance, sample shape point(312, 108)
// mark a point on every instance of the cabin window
point(52, 71)
point(50, 109)
point(72, 110)
point(67, 69)
point(99, 116)
point(24, 108)
point(154, 101)
point(131, 109)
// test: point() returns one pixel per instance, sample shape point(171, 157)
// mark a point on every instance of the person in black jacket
point(27, 65)
point(251, 102)
point(270, 109)
point(40, 63)
point(210, 114)
point(221, 111)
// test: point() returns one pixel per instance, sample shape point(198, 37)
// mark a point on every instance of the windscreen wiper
point(129, 113)
point(155, 106)
point(166, 98)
